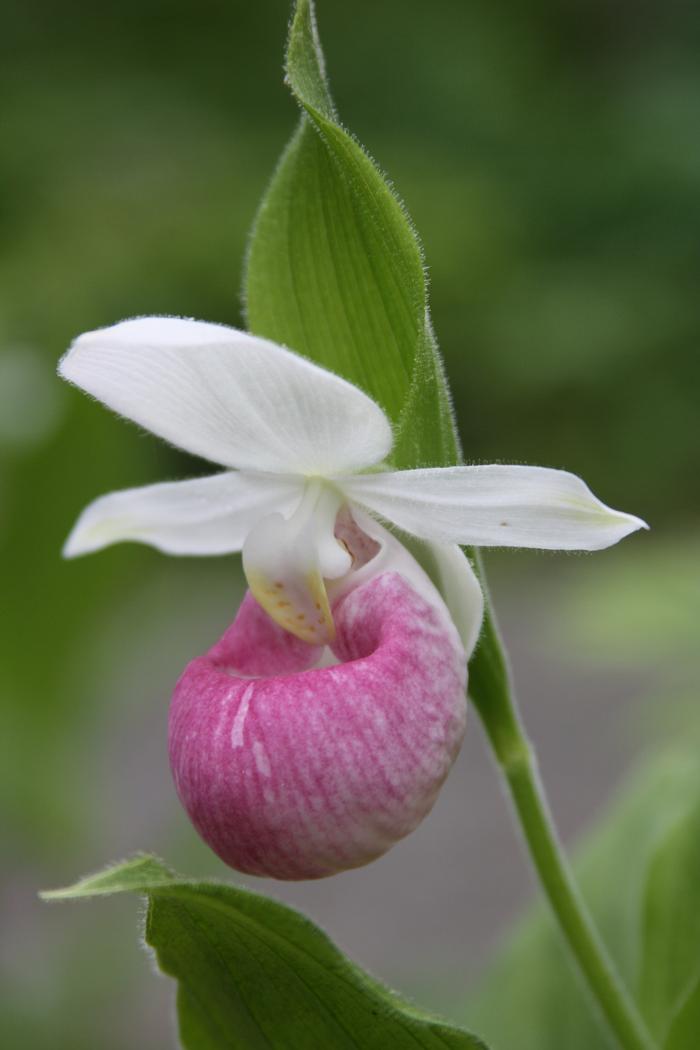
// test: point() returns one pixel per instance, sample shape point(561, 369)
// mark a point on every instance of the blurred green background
point(549, 155)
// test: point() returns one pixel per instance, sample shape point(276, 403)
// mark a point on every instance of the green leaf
point(548, 1008)
point(684, 1033)
point(671, 957)
point(335, 270)
point(255, 974)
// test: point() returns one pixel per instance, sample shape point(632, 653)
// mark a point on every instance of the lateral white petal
point(494, 506)
point(461, 590)
point(229, 396)
point(211, 515)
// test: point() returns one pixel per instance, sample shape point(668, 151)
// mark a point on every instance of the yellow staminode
point(287, 561)
point(298, 604)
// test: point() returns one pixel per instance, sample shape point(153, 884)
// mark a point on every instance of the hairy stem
point(492, 694)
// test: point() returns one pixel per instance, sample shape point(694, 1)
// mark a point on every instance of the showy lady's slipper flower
point(319, 729)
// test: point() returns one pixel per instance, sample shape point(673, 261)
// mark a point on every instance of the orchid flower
point(319, 729)
point(302, 443)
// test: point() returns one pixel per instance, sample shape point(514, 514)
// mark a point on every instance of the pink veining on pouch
point(295, 770)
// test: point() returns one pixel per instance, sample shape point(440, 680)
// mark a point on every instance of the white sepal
point(229, 396)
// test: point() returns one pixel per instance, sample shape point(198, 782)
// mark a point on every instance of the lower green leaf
point(253, 973)
point(671, 957)
point(547, 1004)
point(684, 1033)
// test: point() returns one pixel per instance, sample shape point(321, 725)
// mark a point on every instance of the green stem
point(492, 695)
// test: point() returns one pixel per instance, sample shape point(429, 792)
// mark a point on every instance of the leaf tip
point(138, 874)
point(305, 64)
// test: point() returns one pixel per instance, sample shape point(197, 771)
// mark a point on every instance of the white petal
point(461, 590)
point(210, 515)
point(494, 506)
point(229, 396)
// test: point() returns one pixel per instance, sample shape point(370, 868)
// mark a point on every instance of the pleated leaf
point(335, 269)
point(255, 975)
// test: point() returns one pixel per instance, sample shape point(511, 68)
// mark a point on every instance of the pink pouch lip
point(299, 771)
